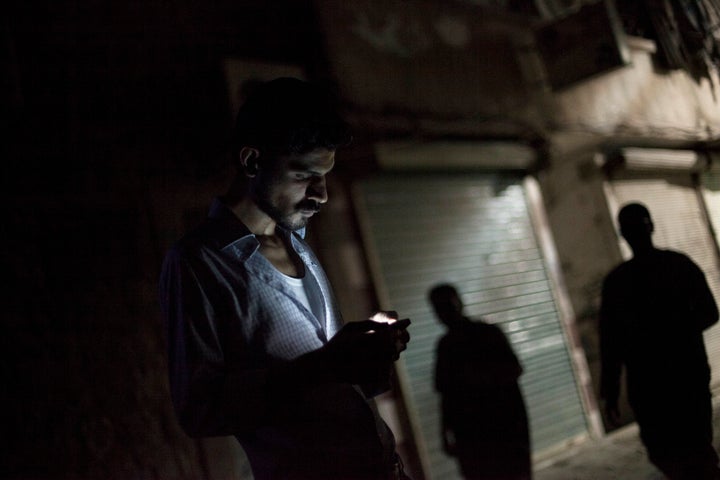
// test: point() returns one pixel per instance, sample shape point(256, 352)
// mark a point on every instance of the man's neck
point(257, 221)
point(644, 251)
point(272, 246)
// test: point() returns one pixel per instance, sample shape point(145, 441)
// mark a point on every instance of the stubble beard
point(290, 221)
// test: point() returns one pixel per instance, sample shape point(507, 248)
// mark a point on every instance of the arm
point(610, 352)
point(443, 385)
point(214, 393)
point(507, 368)
point(704, 307)
point(448, 434)
point(202, 385)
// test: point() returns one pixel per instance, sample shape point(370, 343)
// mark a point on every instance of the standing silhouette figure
point(484, 422)
point(654, 309)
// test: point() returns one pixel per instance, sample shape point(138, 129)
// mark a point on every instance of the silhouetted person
point(654, 310)
point(257, 347)
point(484, 422)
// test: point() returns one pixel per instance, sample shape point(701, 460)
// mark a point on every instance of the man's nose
point(318, 190)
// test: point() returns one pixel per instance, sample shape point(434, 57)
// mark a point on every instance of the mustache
point(309, 205)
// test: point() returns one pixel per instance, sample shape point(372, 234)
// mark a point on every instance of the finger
point(364, 326)
point(404, 323)
point(398, 350)
point(401, 344)
point(401, 335)
point(377, 343)
point(388, 343)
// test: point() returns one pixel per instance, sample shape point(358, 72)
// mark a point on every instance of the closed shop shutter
point(680, 224)
point(711, 195)
point(473, 231)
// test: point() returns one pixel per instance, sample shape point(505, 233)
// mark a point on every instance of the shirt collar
point(234, 233)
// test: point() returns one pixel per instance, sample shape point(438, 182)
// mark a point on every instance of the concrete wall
point(632, 106)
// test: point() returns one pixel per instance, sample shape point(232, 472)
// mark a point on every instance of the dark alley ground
point(618, 456)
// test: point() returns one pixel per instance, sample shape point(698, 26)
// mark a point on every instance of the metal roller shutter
point(473, 231)
point(680, 224)
point(711, 195)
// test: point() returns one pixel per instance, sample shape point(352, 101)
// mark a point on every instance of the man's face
point(450, 309)
point(291, 188)
point(637, 230)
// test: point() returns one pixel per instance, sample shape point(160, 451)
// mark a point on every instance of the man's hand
point(398, 328)
point(612, 412)
point(400, 335)
point(359, 352)
point(363, 352)
point(449, 442)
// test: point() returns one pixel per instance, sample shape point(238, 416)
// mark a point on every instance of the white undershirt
point(305, 290)
point(298, 288)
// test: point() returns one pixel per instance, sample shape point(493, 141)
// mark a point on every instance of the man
point(484, 422)
point(654, 310)
point(257, 348)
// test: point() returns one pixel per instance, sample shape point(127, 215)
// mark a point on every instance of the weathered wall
point(632, 106)
point(639, 100)
point(583, 233)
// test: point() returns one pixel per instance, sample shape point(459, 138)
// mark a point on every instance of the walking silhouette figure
point(654, 309)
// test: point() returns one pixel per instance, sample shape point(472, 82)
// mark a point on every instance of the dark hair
point(288, 115)
point(441, 294)
point(632, 213)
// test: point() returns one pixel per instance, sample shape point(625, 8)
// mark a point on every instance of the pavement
point(618, 456)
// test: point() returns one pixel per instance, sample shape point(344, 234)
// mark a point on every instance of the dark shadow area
point(111, 113)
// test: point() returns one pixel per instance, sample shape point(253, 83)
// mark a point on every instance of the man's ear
point(248, 157)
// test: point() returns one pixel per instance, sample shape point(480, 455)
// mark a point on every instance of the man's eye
point(301, 176)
